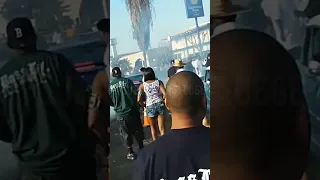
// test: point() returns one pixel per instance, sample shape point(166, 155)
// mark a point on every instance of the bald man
point(184, 152)
point(261, 123)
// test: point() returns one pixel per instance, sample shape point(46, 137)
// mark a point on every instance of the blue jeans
point(155, 109)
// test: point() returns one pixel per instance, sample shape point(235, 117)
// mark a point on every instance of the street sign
point(194, 8)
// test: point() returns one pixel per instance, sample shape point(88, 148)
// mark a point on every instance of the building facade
point(186, 44)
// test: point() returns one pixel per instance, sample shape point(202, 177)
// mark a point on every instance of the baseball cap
point(116, 72)
point(20, 33)
point(104, 25)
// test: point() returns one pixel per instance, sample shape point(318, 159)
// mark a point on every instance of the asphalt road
point(120, 167)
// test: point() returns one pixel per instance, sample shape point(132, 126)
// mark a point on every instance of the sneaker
point(131, 156)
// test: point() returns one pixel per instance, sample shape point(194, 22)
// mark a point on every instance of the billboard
point(194, 8)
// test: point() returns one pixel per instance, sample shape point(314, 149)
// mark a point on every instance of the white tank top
point(153, 93)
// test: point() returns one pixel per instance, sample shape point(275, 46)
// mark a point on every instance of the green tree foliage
point(124, 64)
point(49, 15)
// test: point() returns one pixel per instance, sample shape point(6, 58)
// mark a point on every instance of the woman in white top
point(154, 91)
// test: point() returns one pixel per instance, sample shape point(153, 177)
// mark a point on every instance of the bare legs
point(161, 119)
point(153, 126)
point(152, 121)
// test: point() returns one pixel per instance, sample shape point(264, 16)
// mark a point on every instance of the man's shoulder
point(171, 68)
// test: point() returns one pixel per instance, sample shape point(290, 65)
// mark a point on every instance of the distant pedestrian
point(223, 15)
point(183, 152)
point(179, 65)
point(172, 70)
point(44, 110)
point(197, 66)
point(155, 93)
point(123, 94)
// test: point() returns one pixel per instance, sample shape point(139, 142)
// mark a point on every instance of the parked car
point(87, 57)
point(136, 79)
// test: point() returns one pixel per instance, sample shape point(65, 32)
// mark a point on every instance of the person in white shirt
point(197, 64)
point(223, 16)
point(289, 28)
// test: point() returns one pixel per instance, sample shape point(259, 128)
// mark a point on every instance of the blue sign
point(194, 8)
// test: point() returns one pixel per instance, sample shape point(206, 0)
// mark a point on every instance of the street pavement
point(120, 167)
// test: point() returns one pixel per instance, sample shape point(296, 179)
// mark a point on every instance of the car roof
point(72, 44)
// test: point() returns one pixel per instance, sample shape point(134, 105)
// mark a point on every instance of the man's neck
point(183, 121)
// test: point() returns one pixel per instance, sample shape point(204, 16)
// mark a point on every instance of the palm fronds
point(141, 21)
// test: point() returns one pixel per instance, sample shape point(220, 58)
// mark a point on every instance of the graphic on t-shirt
point(205, 175)
point(35, 73)
point(120, 84)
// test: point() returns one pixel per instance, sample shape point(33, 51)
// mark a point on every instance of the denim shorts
point(155, 109)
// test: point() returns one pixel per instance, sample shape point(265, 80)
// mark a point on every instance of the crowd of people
point(185, 99)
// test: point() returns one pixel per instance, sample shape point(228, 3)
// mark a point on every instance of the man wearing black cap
point(123, 94)
point(43, 110)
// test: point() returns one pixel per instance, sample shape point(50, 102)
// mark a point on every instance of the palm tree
point(141, 23)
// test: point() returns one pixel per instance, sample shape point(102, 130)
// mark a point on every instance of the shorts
point(155, 109)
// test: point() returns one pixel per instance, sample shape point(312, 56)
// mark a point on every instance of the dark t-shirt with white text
point(178, 155)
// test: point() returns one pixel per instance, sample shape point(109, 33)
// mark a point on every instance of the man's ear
point(166, 103)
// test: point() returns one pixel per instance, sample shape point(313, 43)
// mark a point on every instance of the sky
point(169, 18)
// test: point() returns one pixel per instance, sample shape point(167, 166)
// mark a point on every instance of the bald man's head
point(257, 101)
point(185, 94)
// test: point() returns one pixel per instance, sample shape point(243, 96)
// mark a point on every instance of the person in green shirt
point(44, 108)
point(123, 95)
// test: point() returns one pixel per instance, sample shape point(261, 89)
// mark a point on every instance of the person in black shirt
point(172, 70)
point(261, 124)
point(44, 109)
point(183, 152)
